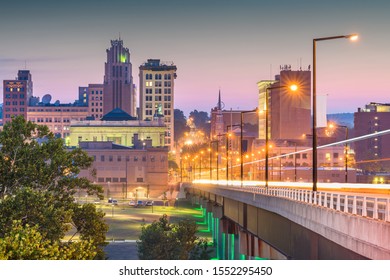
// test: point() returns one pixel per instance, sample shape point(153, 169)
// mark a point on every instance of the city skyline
point(224, 45)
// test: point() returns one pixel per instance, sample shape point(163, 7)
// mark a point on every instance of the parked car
point(113, 201)
point(148, 203)
point(132, 203)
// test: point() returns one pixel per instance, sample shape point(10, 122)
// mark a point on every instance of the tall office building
point(289, 111)
point(16, 95)
point(372, 153)
point(118, 80)
point(156, 83)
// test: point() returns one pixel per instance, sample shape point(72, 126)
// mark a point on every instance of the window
point(149, 98)
point(102, 158)
point(335, 155)
point(140, 180)
point(135, 158)
point(119, 158)
point(152, 158)
point(110, 158)
point(143, 158)
point(304, 156)
point(157, 98)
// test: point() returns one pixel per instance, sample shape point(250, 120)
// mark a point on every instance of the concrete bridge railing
point(360, 205)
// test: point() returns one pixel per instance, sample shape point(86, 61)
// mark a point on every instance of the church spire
point(219, 100)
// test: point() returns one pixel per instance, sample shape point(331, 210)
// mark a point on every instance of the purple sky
point(227, 45)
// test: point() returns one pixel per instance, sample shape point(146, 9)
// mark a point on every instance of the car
point(132, 203)
point(113, 201)
point(148, 203)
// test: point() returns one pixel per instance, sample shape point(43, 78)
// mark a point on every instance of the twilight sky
point(225, 44)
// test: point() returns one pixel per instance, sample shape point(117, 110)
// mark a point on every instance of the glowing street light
point(352, 37)
point(241, 144)
point(292, 87)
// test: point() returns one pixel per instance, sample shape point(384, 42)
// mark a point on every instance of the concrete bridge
point(251, 222)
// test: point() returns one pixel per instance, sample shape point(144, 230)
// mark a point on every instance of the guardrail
point(361, 205)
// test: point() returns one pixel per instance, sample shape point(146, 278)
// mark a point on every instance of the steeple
point(219, 101)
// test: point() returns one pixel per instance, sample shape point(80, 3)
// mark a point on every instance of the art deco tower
point(119, 91)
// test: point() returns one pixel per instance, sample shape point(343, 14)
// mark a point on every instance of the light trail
point(383, 188)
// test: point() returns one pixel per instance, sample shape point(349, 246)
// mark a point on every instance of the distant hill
point(341, 119)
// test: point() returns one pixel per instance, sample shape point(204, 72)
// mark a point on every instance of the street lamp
point(228, 134)
point(352, 37)
point(211, 142)
point(292, 88)
point(241, 144)
point(345, 150)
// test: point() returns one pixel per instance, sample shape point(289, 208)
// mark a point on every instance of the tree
point(44, 165)
point(162, 240)
point(180, 124)
point(38, 183)
point(201, 120)
point(27, 243)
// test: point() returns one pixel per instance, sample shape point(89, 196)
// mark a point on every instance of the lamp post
point(215, 141)
point(241, 144)
point(228, 134)
point(345, 150)
point(200, 164)
point(314, 101)
point(211, 172)
point(181, 170)
point(293, 88)
point(346, 153)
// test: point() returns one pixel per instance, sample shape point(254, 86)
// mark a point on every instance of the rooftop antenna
point(119, 36)
point(25, 64)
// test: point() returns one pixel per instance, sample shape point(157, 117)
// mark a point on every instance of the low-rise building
point(124, 172)
point(57, 117)
point(118, 127)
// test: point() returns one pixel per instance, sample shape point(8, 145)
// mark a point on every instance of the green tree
point(90, 225)
point(201, 120)
point(180, 124)
point(162, 240)
point(38, 183)
point(27, 243)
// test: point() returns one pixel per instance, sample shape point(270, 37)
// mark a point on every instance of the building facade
point(57, 117)
point(118, 88)
point(372, 154)
point(289, 111)
point(128, 173)
point(16, 95)
point(121, 132)
point(156, 86)
point(95, 97)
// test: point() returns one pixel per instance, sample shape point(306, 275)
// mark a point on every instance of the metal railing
point(360, 205)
